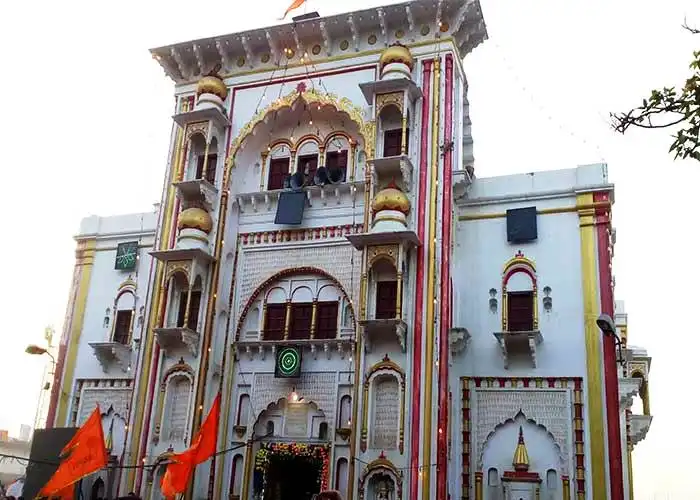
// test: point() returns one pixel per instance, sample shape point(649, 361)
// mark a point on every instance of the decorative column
point(263, 168)
point(478, 486)
point(187, 307)
point(565, 488)
point(314, 312)
point(287, 319)
point(264, 320)
point(399, 293)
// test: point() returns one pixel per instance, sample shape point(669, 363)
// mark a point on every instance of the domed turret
point(396, 62)
point(195, 218)
point(390, 207)
point(211, 92)
point(194, 225)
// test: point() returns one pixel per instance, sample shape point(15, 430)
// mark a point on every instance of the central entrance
point(295, 478)
point(290, 471)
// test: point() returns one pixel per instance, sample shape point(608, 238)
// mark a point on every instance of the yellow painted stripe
point(542, 211)
point(591, 309)
point(136, 424)
point(430, 291)
point(84, 260)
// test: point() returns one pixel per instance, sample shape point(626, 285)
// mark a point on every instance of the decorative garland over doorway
point(315, 453)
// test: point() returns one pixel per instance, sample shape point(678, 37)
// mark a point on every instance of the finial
point(521, 461)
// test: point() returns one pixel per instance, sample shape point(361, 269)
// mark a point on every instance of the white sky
point(85, 124)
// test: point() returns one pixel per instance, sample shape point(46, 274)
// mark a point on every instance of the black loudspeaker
point(296, 180)
point(336, 175)
point(321, 177)
point(44, 457)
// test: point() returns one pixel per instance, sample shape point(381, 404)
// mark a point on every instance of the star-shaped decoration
point(301, 88)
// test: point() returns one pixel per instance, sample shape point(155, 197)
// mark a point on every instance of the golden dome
point(391, 198)
point(396, 53)
point(195, 218)
point(212, 85)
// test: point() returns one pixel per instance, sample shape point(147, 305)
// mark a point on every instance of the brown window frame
point(277, 174)
point(338, 159)
point(313, 159)
point(392, 142)
point(325, 311)
point(301, 316)
point(521, 311)
point(122, 326)
point(381, 304)
point(278, 313)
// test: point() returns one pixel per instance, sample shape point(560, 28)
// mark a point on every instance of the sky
point(85, 125)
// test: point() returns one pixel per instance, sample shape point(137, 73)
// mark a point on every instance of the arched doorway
point(292, 462)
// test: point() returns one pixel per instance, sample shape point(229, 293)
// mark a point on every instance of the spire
point(521, 461)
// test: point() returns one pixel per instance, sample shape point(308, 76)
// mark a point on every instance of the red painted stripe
point(445, 320)
point(418, 318)
point(607, 306)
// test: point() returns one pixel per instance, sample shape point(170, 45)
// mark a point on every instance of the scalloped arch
point(512, 420)
point(309, 97)
point(180, 367)
point(381, 464)
point(284, 274)
point(385, 364)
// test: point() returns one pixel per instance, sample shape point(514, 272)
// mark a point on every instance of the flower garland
point(315, 453)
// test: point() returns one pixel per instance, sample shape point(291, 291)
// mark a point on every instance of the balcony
point(318, 196)
point(370, 89)
point(202, 115)
point(179, 254)
point(197, 190)
point(459, 338)
point(373, 328)
point(173, 339)
point(111, 354)
point(388, 167)
point(639, 426)
point(628, 388)
point(262, 349)
point(518, 345)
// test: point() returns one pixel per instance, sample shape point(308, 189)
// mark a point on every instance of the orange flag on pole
point(295, 5)
point(83, 455)
point(203, 446)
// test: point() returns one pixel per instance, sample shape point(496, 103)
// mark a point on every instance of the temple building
point(378, 319)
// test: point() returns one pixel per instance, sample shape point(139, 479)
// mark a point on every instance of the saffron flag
point(203, 446)
point(83, 455)
point(295, 5)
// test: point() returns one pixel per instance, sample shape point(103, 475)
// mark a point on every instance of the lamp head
point(35, 349)
point(606, 324)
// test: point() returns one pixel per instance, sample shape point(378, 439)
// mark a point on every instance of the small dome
point(396, 53)
point(391, 198)
point(195, 218)
point(212, 85)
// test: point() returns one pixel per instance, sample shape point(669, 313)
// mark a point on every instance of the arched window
point(307, 157)
point(236, 476)
point(189, 305)
point(385, 414)
point(123, 317)
point(337, 154)
point(270, 428)
point(341, 475)
point(178, 394)
point(519, 304)
point(344, 415)
point(552, 485)
point(279, 165)
point(243, 415)
point(493, 485)
point(323, 431)
point(391, 123)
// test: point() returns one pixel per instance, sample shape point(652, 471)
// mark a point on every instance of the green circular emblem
point(288, 361)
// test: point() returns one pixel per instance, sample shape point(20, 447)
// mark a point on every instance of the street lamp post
point(607, 326)
point(39, 351)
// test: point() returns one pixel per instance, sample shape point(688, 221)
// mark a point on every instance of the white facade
point(436, 356)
